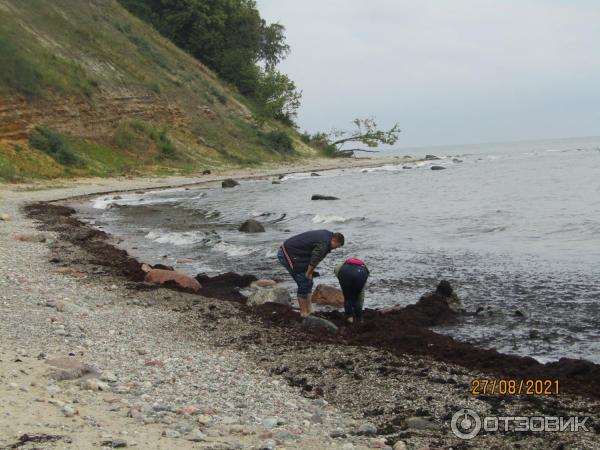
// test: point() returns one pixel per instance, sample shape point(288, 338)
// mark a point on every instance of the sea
point(514, 227)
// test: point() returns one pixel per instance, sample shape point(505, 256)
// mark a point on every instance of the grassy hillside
point(88, 89)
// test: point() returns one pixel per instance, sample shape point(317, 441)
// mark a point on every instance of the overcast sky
point(449, 71)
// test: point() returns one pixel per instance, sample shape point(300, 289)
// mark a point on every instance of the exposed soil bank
point(400, 332)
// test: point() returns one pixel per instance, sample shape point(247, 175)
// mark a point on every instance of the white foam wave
point(329, 219)
point(232, 250)
point(179, 239)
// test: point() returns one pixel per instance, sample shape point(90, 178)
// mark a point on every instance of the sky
point(448, 71)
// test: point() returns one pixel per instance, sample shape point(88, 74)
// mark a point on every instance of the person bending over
point(301, 254)
point(352, 275)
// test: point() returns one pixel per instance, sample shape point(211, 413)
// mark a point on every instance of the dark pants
point(305, 284)
point(352, 281)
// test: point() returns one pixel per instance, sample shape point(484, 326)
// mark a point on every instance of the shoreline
point(368, 385)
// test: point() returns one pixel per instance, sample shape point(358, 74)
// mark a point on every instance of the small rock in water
point(438, 168)
point(252, 226)
point(229, 183)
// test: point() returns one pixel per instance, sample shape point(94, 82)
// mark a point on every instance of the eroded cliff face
point(81, 117)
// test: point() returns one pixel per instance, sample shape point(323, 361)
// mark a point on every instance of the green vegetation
point(230, 37)
point(54, 144)
point(105, 94)
point(278, 141)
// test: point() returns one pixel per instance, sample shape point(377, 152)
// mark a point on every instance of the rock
point(519, 313)
point(314, 323)
point(337, 433)
point(206, 172)
point(323, 197)
point(117, 197)
point(328, 295)
point(115, 443)
point(270, 422)
point(69, 369)
point(172, 434)
point(400, 445)
point(181, 280)
point(456, 160)
point(377, 443)
point(196, 436)
point(109, 377)
point(438, 168)
point(420, 423)
point(263, 283)
point(69, 411)
point(431, 157)
point(269, 444)
point(252, 226)
point(348, 446)
point(367, 428)
point(5, 217)
point(269, 295)
point(93, 384)
point(407, 167)
point(188, 411)
point(314, 174)
point(275, 182)
point(229, 183)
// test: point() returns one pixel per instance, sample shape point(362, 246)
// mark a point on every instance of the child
point(352, 275)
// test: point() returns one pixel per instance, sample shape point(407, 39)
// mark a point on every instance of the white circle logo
point(465, 424)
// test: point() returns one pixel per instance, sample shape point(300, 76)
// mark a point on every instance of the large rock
point(314, 323)
point(323, 197)
point(161, 276)
point(252, 226)
point(328, 295)
point(229, 183)
point(270, 295)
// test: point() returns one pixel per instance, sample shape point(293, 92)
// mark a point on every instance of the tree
point(277, 97)
point(366, 133)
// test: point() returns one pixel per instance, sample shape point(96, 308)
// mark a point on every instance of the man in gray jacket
point(301, 254)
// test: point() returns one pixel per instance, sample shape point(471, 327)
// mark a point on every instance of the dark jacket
point(308, 248)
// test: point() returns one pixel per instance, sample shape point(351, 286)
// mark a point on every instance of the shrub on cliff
point(278, 141)
point(54, 144)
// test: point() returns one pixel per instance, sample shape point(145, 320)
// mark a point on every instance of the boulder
point(161, 276)
point(438, 168)
point(252, 226)
point(314, 323)
point(323, 197)
point(263, 283)
point(328, 295)
point(269, 295)
point(229, 183)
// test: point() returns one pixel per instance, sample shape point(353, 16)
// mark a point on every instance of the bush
point(54, 144)
point(278, 141)
point(165, 146)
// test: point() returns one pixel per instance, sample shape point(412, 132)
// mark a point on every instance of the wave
point(176, 238)
point(232, 249)
point(329, 219)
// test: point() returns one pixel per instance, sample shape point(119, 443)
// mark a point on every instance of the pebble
point(108, 376)
point(69, 411)
point(367, 428)
point(168, 432)
point(197, 436)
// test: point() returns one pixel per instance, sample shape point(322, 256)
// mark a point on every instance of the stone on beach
point(5, 217)
point(263, 283)
point(314, 323)
point(438, 168)
point(161, 276)
point(323, 197)
point(229, 183)
point(269, 295)
point(252, 226)
point(328, 295)
point(69, 369)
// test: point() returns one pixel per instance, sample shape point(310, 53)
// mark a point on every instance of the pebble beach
point(90, 360)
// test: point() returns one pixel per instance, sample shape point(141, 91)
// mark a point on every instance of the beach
point(160, 368)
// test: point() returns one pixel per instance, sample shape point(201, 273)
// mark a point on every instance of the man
point(301, 254)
